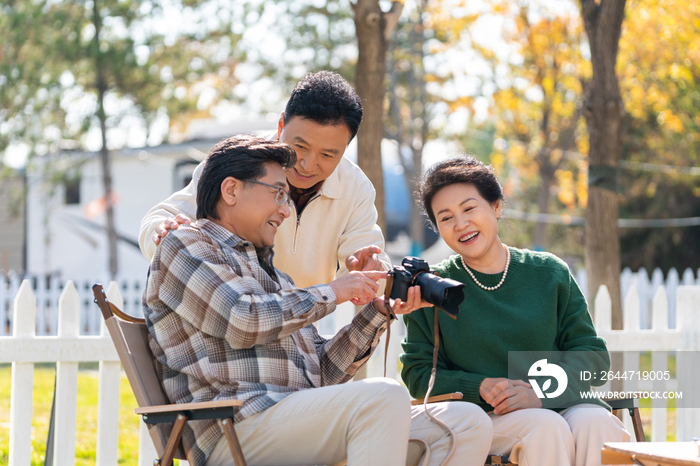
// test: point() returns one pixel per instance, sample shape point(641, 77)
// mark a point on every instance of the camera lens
point(445, 293)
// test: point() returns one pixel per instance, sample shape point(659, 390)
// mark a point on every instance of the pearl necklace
point(489, 288)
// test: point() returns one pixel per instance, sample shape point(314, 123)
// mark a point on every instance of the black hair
point(463, 169)
point(242, 157)
point(327, 99)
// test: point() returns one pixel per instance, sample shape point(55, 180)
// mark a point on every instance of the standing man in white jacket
point(334, 222)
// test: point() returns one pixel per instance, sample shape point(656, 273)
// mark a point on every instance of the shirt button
point(325, 298)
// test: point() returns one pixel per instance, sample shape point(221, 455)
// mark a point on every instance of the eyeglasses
point(282, 196)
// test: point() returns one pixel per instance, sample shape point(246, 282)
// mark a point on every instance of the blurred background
point(125, 97)
point(107, 106)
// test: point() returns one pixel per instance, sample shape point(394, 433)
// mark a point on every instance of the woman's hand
point(412, 303)
point(517, 397)
point(506, 395)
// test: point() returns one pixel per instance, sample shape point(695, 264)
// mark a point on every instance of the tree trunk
point(412, 133)
point(104, 152)
point(603, 110)
point(373, 27)
point(417, 228)
point(417, 40)
point(543, 196)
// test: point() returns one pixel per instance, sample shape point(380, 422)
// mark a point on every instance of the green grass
point(86, 425)
point(645, 362)
point(645, 414)
point(645, 403)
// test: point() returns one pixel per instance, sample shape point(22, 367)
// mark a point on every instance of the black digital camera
point(443, 293)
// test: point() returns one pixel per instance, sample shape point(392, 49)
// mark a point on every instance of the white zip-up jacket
point(310, 247)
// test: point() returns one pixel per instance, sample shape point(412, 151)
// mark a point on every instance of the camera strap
point(431, 383)
point(389, 316)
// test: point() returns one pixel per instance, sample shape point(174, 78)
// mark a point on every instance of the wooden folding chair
point(630, 405)
point(165, 420)
point(615, 404)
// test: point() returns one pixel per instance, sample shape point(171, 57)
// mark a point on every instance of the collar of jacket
point(331, 185)
point(222, 234)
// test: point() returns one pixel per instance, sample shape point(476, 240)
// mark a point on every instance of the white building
point(66, 220)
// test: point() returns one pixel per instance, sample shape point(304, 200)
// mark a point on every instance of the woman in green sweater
point(519, 304)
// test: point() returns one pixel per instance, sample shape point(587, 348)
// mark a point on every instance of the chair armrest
point(179, 407)
point(437, 398)
point(630, 404)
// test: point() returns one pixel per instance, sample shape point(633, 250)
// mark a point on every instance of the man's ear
point(230, 189)
point(280, 125)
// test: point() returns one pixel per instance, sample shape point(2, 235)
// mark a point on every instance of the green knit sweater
point(539, 308)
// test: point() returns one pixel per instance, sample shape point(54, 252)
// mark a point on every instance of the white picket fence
point(48, 289)
point(68, 347)
point(647, 287)
point(660, 339)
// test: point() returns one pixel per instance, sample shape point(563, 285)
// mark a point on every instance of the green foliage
point(536, 112)
point(52, 55)
point(69, 67)
point(29, 88)
point(535, 92)
point(478, 140)
point(417, 105)
point(86, 426)
point(306, 36)
point(660, 83)
point(415, 90)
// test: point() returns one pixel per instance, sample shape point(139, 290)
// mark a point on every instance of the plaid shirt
point(222, 328)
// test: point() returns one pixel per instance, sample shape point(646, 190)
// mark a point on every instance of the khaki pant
point(542, 437)
point(368, 422)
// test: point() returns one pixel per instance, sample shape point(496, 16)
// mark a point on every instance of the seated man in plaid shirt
point(225, 324)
